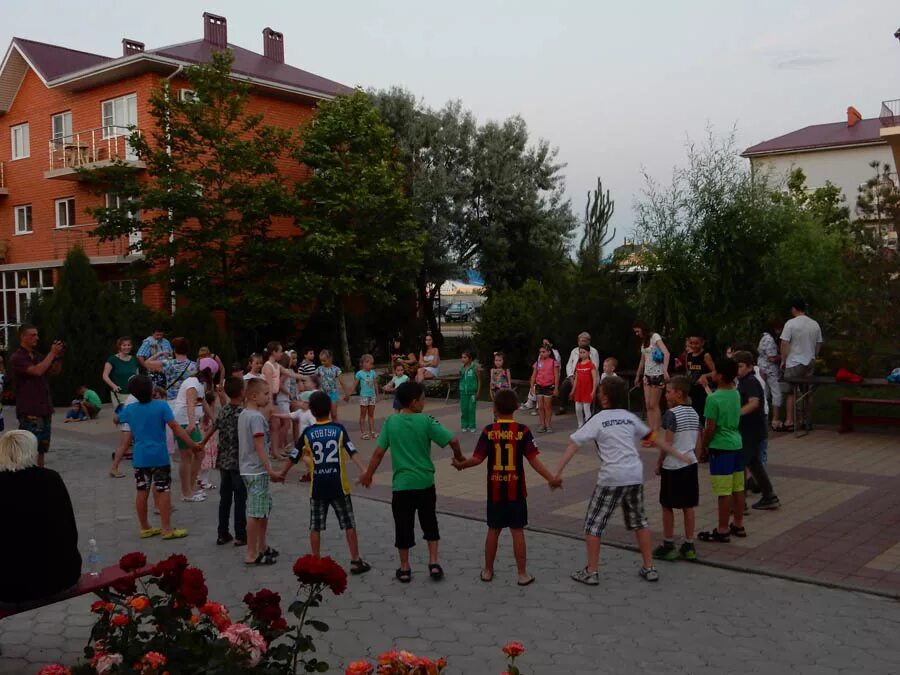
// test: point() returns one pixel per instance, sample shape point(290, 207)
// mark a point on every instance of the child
point(368, 396)
point(722, 442)
point(545, 381)
point(326, 443)
point(256, 471)
point(75, 413)
point(399, 378)
point(126, 438)
point(307, 366)
point(330, 381)
point(609, 368)
point(678, 487)
point(700, 370)
point(147, 419)
point(500, 377)
point(90, 401)
point(304, 418)
point(615, 432)
point(254, 368)
point(409, 436)
point(469, 389)
point(232, 488)
point(586, 381)
point(753, 427)
point(506, 493)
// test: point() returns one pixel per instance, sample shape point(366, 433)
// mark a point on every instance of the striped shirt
point(307, 368)
point(506, 444)
point(685, 422)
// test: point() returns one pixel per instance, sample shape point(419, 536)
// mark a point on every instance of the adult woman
point(398, 355)
point(769, 363)
point(429, 360)
point(118, 369)
point(652, 372)
point(38, 529)
point(188, 408)
point(175, 370)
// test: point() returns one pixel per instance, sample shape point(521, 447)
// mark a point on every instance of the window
point(114, 201)
point(23, 219)
point(21, 142)
point(119, 114)
point(62, 128)
point(65, 212)
point(187, 95)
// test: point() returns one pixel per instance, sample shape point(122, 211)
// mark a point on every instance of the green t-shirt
point(723, 406)
point(122, 371)
point(91, 397)
point(408, 437)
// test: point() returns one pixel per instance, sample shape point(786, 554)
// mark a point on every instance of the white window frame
point(24, 211)
point(23, 145)
point(187, 95)
point(65, 123)
point(122, 116)
point(66, 218)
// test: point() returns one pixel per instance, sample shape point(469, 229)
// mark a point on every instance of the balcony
point(90, 149)
point(890, 127)
point(3, 189)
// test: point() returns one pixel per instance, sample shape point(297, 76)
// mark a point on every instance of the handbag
point(657, 355)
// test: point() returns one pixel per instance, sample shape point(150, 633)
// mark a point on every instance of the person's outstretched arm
point(366, 478)
point(536, 464)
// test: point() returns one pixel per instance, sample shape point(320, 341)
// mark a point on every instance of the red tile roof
point(821, 136)
point(53, 62)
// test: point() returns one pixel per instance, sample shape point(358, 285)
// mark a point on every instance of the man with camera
point(30, 369)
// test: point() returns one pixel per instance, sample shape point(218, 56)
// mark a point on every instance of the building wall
point(845, 167)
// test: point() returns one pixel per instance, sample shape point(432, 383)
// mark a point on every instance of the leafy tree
point(878, 201)
point(213, 189)
point(360, 234)
point(597, 212)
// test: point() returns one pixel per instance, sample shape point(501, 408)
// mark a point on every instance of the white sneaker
point(197, 497)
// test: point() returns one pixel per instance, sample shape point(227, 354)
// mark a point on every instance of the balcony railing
point(890, 113)
point(85, 148)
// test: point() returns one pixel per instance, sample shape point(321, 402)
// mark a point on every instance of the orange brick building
point(62, 109)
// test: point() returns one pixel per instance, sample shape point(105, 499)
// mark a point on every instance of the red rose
point(193, 588)
point(120, 619)
point(169, 572)
point(514, 649)
point(132, 562)
point(312, 571)
point(279, 624)
point(264, 605)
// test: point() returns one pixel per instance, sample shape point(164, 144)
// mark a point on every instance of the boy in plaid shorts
point(616, 433)
point(327, 444)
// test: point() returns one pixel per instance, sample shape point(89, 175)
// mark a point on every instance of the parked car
point(460, 311)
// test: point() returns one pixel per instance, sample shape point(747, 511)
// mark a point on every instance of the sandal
point(178, 533)
point(224, 539)
point(151, 532)
point(359, 566)
point(261, 559)
point(271, 552)
point(487, 577)
point(714, 536)
point(787, 428)
point(403, 576)
point(240, 542)
point(436, 571)
point(528, 581)
point(737, 531)
point(777, 426)
point(116, 474)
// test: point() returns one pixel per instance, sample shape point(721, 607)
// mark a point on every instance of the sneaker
point(533, 412)
point(198, 497)
point(688, 552)
point(206, 485)
point(542, 430)
point(767, 503)
point(665, 552)
point(649, 574)
point(585, 577)
point(548, 430)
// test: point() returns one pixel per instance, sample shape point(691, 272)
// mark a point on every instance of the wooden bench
point(86, 584)
point(848, 419)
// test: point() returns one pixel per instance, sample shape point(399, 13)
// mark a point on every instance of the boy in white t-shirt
point(679, 486)
point(616, 433)
point(305, 419)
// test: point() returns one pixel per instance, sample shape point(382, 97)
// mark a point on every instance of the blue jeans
point(231, 487)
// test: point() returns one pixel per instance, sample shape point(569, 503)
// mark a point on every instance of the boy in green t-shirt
point(722, 443)
point(409, 436)
point(90, 401)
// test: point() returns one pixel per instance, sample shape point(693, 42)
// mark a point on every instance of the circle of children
point(284, 407)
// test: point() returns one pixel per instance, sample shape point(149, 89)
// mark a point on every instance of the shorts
point(800, 371)
point(159, 476)
point(283, 403)
point(195, 435)
point(434, 371)
point(333, 395)
point(654, 381)
point(513, 514)
point(543, 390)
point(679, 488)
point(404, 505)
point(365, 401)
point(604, 501)
point(40, 427)
point(726, 472)
point(259, 496)
point(397, 404)
point(343, 510)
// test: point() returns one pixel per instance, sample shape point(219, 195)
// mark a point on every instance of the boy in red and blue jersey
point(327, 445)
point(507, 444)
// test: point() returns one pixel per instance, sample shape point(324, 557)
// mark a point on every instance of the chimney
point(853, 116)
point(130, 47)
point(273, 45)
point(215, 30)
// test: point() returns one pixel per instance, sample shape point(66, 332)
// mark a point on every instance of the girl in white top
point(188, 408)
point(429, 361)
point(652, 373)
point(276, 375)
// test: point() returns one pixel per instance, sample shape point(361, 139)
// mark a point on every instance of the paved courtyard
point(698, 619)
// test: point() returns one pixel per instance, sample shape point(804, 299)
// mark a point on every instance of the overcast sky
point(615, 86)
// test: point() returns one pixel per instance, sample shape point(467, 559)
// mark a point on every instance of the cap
point(207, 362)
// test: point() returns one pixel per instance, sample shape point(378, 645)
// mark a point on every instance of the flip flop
point(403, 576)
point(152, 532)
point(359, 566)
point(116, 474)
point(487, 577)
point(178, 533)
point(526, 583)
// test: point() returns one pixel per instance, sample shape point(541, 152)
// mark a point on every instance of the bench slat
point(870, 401)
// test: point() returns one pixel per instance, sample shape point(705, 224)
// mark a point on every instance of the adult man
point(31, 369)
point(565, 390)
point(801, 340)
point(158, 348)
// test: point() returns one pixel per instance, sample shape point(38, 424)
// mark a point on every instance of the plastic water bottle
point(93, 558)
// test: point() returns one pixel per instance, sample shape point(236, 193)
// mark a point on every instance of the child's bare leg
point(432, 552)
point(644, 544)
point(404, 558)
point(196, 461)
point(668, 518)
point(724, 506)
point(491, 542)
point(140, 504)
point(334, 414)
point(362, 420)
point(740, 499)
point(263, 528)
point(689, 520)
point(163, 501)
point(315, 542)
point(372, 419)
point(549, 412)
point(352, 543)
point(252, 539)
point(122, 448)
point(518, 539)
point(592, 543)
point(184, 474)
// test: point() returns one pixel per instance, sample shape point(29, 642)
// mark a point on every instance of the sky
point(618, 88)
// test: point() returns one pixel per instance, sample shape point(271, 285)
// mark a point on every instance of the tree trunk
point(426, 303)
point(345, 343)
